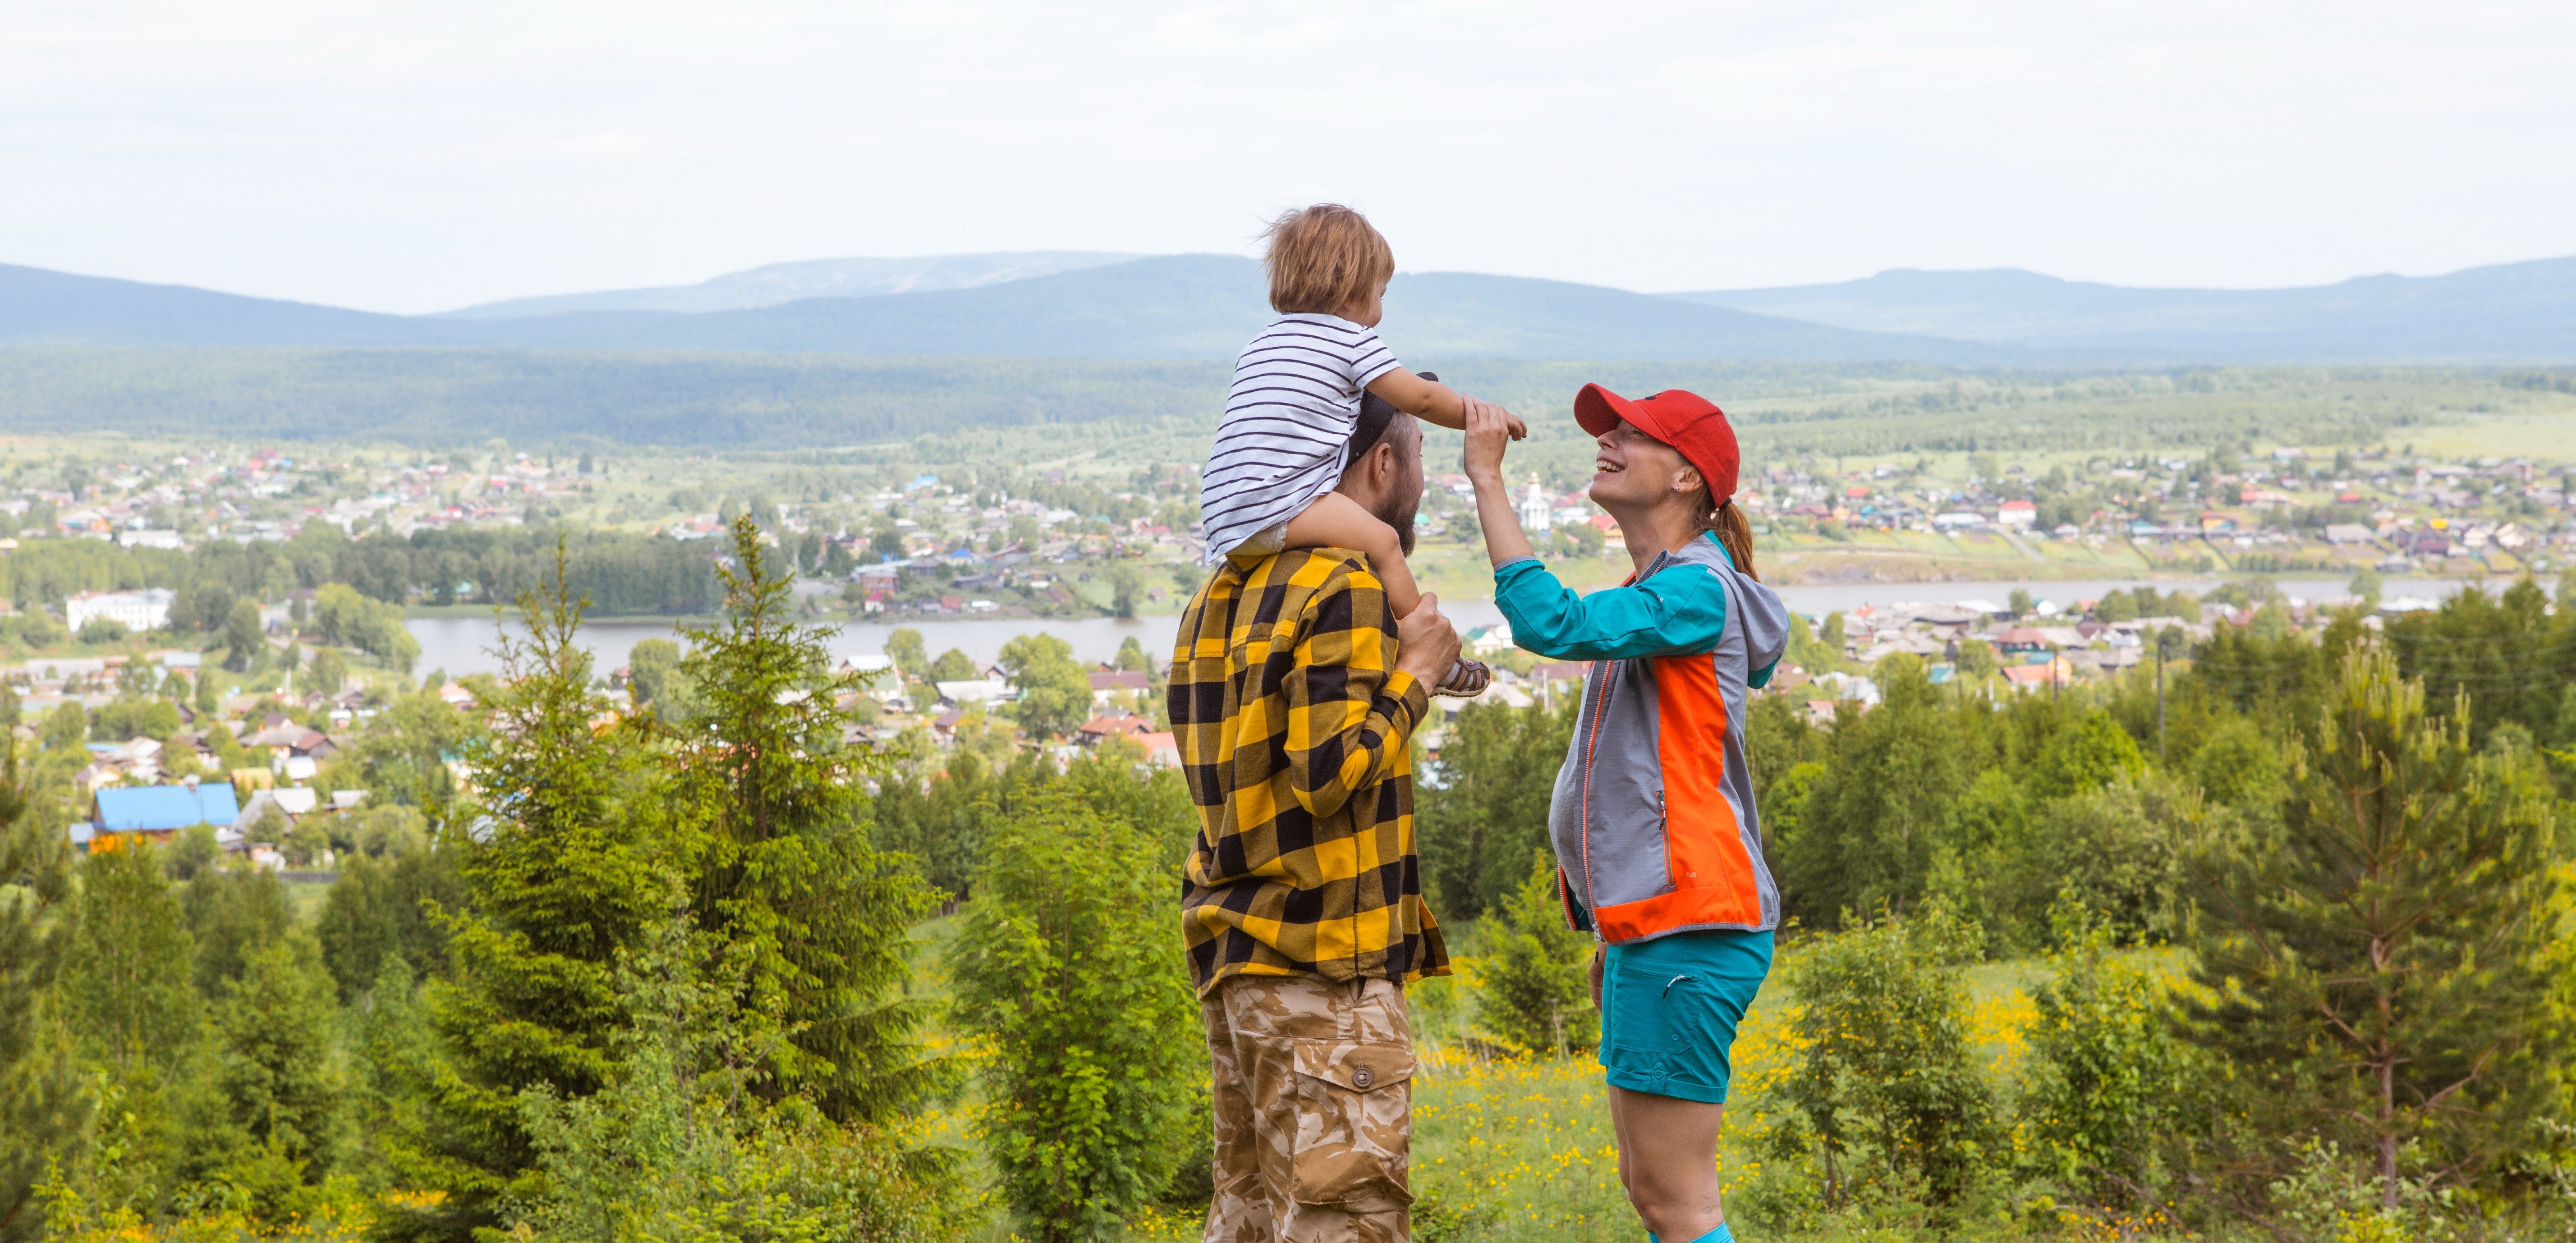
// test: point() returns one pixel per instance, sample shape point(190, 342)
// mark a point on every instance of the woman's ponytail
point(1725, 519)
point(1734, 531)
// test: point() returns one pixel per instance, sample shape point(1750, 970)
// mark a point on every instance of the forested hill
point(1175, 306)
point(564, 399)
point(38, 307)
point(533, 397)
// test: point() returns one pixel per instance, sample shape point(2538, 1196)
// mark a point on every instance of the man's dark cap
point(1376, 414)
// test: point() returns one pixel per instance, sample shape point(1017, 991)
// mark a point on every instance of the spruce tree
point(38, 1105)
point(2377, 961)
point(783, 871)
point(132, 1014)
point(561, 877)
point(279, 1070)
point(379, 911)
point(232, 913)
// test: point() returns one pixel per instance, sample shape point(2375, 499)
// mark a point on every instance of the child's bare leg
point(1337, 521)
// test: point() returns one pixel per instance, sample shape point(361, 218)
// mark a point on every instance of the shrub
point(1068, 967)
point(1886, 1085)
point(2107, 1079)
point(343, 616)
point(2114, 848)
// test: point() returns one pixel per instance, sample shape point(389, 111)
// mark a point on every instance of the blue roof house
point(158, 813)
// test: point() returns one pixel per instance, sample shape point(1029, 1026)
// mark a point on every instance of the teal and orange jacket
point(1653, 819)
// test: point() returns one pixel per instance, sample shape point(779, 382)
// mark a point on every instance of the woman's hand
point(1489, 429)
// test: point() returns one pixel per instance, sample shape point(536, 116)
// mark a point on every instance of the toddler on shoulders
point(1298, 386)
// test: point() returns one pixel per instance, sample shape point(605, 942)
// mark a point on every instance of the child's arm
point(1337, 521)
point(1430, 400)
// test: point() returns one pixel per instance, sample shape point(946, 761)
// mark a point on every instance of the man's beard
point(1402, 522)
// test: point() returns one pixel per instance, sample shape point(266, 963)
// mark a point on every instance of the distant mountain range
point(814, 278)
point(1077, 304)
point(1166, 307)
point(2511, 312)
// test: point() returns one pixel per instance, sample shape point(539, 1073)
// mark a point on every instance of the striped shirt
point(1294, 728)
point(1288, 422)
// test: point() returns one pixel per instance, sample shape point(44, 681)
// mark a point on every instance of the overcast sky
point(415, 156)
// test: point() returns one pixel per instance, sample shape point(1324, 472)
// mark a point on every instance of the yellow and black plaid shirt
point(1294, 725)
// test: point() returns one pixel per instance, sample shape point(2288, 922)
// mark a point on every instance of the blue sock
point(1719, 1235)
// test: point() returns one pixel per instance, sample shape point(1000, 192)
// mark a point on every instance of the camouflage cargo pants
point(1314, 1110)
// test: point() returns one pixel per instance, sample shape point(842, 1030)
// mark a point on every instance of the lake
point(463, 644)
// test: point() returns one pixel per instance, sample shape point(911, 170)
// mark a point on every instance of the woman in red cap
point(1658, 843)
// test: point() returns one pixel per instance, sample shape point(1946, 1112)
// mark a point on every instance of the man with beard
point(1294, 696)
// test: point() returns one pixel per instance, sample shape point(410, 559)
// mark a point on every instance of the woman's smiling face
point(1633, 470)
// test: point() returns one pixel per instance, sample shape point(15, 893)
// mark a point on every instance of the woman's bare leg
point(1668, 1161)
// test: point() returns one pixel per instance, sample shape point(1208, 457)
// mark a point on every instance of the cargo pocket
point(1354, 1135)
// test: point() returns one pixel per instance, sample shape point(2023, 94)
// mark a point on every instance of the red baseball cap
point(1690, 423)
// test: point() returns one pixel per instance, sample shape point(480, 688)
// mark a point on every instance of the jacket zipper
point(1591, 748)
point(1583, 824)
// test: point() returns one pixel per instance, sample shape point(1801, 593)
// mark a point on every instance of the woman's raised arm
point(1489, 430)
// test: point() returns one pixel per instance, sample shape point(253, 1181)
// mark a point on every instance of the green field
point(1521, 1151)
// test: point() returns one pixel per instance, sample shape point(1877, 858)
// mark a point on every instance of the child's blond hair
point(1325, 259)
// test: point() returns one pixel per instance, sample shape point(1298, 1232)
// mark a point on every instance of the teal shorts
point(1669, 1007)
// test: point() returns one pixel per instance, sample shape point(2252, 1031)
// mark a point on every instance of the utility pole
point(2160, 698)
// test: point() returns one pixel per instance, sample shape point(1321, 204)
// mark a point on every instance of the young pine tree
point(2377, 960)
point(682, 1146)
point(1067, 966)
point(782, 868)
point(1537, 994)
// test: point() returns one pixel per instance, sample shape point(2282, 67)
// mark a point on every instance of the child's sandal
point(1467, 679)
